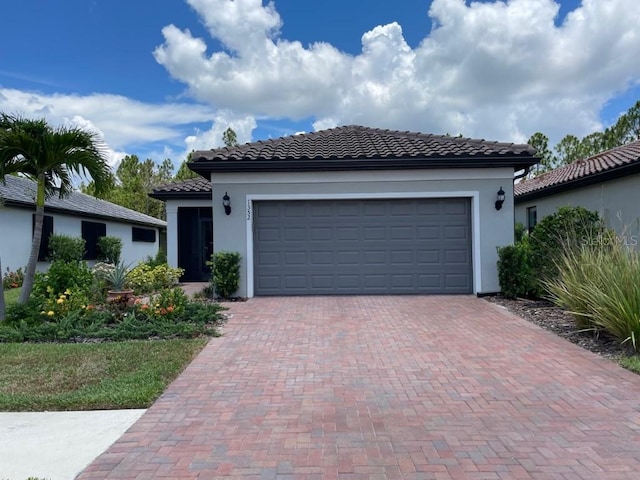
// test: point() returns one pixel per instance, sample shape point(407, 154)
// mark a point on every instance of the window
point(47, 231)
point(532, 218)
point(91, 231)
point(143, 234)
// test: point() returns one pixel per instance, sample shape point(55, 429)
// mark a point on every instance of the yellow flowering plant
point(56, 306)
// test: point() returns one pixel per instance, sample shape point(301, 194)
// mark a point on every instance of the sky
point(158, 79)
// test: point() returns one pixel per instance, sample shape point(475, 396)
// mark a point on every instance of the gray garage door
point(398, 246)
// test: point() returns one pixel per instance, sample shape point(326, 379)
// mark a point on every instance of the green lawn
point(46, 376)
point(11, 295)
point(631, 363)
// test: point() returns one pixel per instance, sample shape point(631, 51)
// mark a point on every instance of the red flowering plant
point(168, 304)
point(12, 279)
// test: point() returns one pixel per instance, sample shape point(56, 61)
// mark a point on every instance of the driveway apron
point(410, 387)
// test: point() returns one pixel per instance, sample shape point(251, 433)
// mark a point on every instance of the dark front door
point(195, 242)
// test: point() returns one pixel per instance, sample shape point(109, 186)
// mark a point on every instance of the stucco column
point(172, 233)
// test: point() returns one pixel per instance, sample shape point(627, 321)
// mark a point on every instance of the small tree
point(50, 157)
point(230, 138)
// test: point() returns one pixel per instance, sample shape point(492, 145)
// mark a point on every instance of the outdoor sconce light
point(226, 203)
point(500, 199)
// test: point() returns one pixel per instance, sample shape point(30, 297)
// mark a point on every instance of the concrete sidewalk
point(57, 445)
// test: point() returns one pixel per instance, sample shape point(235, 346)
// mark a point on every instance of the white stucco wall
point(15, 236)
point(491, 228)
point(617, 201)
point(172, 225)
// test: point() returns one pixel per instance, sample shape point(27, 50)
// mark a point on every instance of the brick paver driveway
point(384, 388)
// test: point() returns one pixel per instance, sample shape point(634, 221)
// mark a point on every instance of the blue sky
point(157, 80)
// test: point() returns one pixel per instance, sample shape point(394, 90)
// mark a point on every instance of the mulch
point(546, 315)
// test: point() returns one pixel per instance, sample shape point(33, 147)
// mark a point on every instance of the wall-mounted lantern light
point(226, 203)
point(500, 199)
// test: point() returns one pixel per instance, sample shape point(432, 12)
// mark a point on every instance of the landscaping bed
point(554, 319)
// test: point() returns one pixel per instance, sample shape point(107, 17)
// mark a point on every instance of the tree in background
point(570, 148)
point(132, 183)
point(50, 157)
point(230, 138)
point(540, 142)
point(184, 172)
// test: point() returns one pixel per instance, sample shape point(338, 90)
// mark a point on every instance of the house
point(77, 215)
point(352, 210)
point(608, 183)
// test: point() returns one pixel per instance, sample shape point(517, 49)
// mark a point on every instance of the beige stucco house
point(608, 183)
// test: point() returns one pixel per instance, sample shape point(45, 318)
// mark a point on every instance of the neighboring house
point(77, 215)
point(351, 210)
point(608, 183)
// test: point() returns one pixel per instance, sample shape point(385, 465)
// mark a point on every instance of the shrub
point(12, 279)
point(146, 279)
point(600, 284)
point(159, 259)
point(169, 304)
point(225, 273)
point(66, 248)
point(566, 229)
point(109, 249)
point(112, 321)
point(57, 306)
point(61, 276)
point(519, 232)
point(514, 270)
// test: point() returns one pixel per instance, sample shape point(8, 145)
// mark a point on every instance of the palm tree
point(50, 157)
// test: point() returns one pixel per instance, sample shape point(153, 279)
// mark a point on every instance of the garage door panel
point(321, 233)
point(294, 210)
point(455, 232)
point(374, 233)
point(347, 233)
point(373, 257)
point(457, 257)
point(266, 259)
point(362, 246)
point(403, 233)
point(321, 258)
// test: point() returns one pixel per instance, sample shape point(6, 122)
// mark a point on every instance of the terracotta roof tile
point(618, 157)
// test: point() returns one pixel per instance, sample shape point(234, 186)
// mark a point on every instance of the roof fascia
point(203, 167)
point(75, 213)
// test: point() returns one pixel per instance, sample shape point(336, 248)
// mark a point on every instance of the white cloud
point(500, 70)
point(121, 122)
point(212, 138)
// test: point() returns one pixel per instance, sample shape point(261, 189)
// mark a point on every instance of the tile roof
point(198, 187)
point(608, 162)
point(349, 143)
point(361, 142)
point(22, 191)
